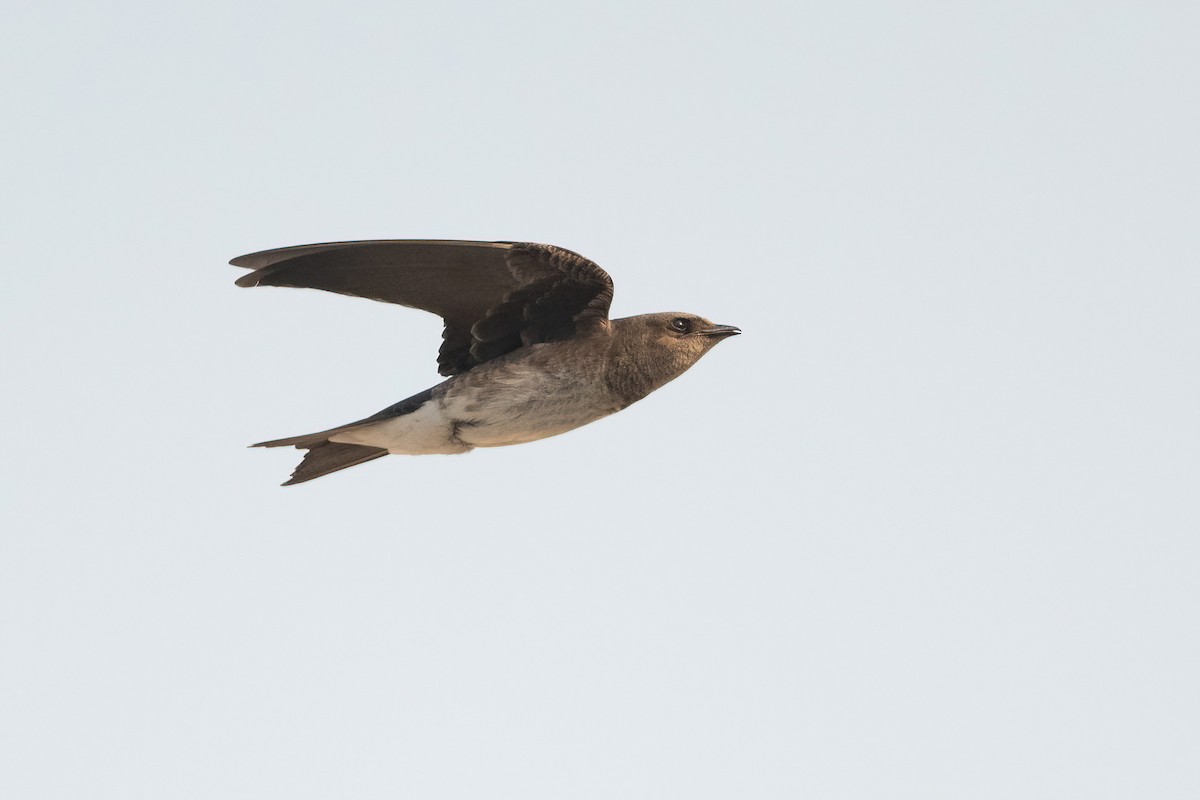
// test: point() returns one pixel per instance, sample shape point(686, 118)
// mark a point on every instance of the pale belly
point(520, 429)
point(514, 413)
point(515, 406)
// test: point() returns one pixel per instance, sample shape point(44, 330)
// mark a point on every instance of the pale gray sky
point(929, 529)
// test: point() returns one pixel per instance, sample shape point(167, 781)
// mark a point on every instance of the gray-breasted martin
point(528, 347)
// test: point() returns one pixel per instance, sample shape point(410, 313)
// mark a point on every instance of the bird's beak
point(720, 331)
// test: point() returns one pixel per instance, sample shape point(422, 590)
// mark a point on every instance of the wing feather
point(493, 296)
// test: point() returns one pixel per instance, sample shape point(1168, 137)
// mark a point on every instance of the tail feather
point(308, 440)
point(325, 457)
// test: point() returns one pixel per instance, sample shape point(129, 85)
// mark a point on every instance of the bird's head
point(663, 346)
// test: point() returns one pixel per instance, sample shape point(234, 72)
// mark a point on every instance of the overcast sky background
point(929, 529)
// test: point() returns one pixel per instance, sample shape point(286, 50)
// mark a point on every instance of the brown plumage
point(528, 346)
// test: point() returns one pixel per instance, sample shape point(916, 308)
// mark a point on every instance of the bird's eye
point(682, 325)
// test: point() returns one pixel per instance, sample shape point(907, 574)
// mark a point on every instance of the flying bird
point(528, 349)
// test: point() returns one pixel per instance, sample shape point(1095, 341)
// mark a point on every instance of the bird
point(528, 350)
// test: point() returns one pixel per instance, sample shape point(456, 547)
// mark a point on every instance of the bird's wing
point(493, 296)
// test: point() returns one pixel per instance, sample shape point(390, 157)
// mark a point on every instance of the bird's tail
point(324, 456)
